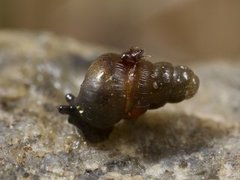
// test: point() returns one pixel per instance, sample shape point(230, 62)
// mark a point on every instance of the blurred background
point(169, 29)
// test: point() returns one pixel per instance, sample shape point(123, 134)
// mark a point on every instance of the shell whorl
point(172, 83)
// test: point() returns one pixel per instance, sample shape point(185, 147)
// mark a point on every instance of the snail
point(125, 86)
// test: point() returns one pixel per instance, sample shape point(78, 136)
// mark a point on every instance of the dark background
point(172, 29)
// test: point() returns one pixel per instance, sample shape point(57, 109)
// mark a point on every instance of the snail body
point(124, 86)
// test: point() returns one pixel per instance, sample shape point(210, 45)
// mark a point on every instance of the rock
point(196, 139)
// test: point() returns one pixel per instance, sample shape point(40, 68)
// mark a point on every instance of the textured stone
point(196, 139)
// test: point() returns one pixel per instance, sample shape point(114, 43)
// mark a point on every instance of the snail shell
point(124, 86)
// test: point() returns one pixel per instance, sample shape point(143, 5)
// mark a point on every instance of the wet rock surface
point(196, 139)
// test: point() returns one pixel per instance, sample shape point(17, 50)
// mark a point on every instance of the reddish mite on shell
point(124, 86)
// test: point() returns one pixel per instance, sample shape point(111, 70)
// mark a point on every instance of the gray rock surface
point(196, 139)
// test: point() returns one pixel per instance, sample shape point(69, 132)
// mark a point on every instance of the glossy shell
point(124, 86)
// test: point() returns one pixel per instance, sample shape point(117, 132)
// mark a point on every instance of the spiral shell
point(124, 86)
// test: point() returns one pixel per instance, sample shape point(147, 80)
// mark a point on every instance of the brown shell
point(124, 86)
point(115, 88)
